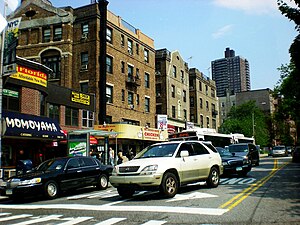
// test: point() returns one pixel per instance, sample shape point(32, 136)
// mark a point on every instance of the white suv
point(167, 166)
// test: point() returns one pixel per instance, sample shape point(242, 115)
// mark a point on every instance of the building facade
point(204, 104)
point(231, 73)
point(172, 88)
point(225, 104)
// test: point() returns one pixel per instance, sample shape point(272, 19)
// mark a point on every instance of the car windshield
point(223, 152)
point(238, 148)
point(279, 148)
point(166, 150)
point(53, 164)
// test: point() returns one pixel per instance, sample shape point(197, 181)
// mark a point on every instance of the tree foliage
point(247, 119)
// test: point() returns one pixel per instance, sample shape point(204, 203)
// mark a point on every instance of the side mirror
point(184, 153)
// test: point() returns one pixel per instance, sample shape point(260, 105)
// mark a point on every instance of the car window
point(53, 164)
point(186, 147)
point(210, 146)
point(73, 163)
point(88, 162)
point(165, 150)
point(200, 149)
point(238, 148)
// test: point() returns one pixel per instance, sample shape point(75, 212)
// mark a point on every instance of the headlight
point(148, 170)
point(32, 181)
point(225, 163)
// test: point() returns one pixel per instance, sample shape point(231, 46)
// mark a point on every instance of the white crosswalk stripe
point(75, 220)
point(38, 220)
point(14, 217)
point(110, 221)
point(154, 222)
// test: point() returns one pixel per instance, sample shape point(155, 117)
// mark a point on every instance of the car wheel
point(213, 178)
point(125, 192)
point(102, 182)
point(51, 189)
point(257, 163)
point(169, 185)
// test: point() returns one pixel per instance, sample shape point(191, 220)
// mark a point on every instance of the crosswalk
point(56, 219)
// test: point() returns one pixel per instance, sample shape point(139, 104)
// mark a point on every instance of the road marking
point(14, 217)
point(154, 222)
point(166, 209)
point(248, 191)
point(194, 195)
point(5, 214)
point(237, 181)
point(39, 220)
point(111, 221)
point(75, 220)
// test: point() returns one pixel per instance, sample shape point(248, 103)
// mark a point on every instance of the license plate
point(9, 192)
point(239, 168)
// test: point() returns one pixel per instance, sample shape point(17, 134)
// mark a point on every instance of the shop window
point(53, 112)
point(87, 119)
point(71, 116)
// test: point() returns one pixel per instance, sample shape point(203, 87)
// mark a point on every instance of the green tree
point(289, 83)
point(249, 120)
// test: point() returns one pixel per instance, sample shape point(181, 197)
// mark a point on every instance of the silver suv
point(167, 166)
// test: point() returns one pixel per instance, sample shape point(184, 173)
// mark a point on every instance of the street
point(269, 194)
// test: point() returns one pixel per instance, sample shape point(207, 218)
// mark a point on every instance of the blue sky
point(201, 30)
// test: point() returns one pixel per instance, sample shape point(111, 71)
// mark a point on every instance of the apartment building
point(204, 104)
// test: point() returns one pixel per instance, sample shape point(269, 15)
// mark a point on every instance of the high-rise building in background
point(231, 73)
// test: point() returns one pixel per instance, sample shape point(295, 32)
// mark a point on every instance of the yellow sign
point(80, 98)
point(30, 75)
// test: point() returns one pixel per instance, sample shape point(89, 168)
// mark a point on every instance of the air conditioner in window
point(84, 67)
point(84, 36)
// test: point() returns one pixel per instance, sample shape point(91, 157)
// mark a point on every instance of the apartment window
point(182, 76)
point(109, 94)
point(11, 99)
point(129, 46)
point(200, 86)
point(57, 34)
point(84, 87)
point(192, 116)
point(158, 90)
point(85, 28)
point(207, 122)
point(201, 121)
point(122, 40)
point(173, 111)
point(147, 81)
point(46, 35)
point(222, 104)
point(109, 34)
point(137, 99)
point(53, 62)
point(184, 95)
point(207, 106)
point(174, 71)
point(71, 116)
point(201, 103)
point(137, 48)
point(53, 112)
point(130, 98)
point(146, 55)
point(214, 124)
point(192, 101)
point(84, 60)
point(109, 64)
point(137, 73)
point(147, 104)
point(206, 89)
point(185, 114)
point(123, 95)
point(122, 67)
point(87, 119)
point(213, 93)
point(173, 91)
point(130, 71)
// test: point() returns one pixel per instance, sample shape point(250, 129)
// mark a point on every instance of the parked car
point(246, 150)
point(54, 176)
point(234, 164)
point(289, 149)
point(296, 154)
point(279, 150)
point(167, 166)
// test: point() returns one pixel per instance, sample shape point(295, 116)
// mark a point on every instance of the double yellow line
point(248, 191)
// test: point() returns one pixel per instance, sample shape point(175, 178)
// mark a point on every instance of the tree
point(288, 88)
point(249, 120)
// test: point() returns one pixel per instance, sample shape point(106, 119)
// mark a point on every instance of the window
point(11, 99)
point(185, 114)
point(109, 64)
point(199, 149)
point(129, 46)
point(207, 122)
point(137, 99)
point(122, 67)
point(53, 112)
point(213, 93)
point(200, 86)
point(57, 34)
point(87, 119)
point(46, 35)
point(84, 87)
point(182, 76)
point(192, 116)
point(158, 90)
point(147, 82)
point(84, 60)
point(201, 121)
point(85, 28)
point(174, 71)
point(206, 89)
point(201, 103)
point(184, 95)
point(42, 105)
point(71, 116)
point(130, 71)
point(173, 111)
point(109, 34)
point(130, 98)
point(137, 73)
point(122, 40)
point(146, 55)
point(53, 62)
point(137, 48)
point(173, 91)
point(147, 104)
point(109, 94)
point(192, 101)
point(123, 95)
point(207, 106)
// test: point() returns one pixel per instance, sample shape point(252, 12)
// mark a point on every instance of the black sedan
point(54, 176)
point(234, 164)
point(296, 154)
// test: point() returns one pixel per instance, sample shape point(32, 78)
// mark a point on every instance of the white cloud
point(249, 6)
point(222, 31)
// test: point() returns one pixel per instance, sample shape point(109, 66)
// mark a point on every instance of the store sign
point(30, 75)
point(10, 93)
point(80, 98)
point(162, 122)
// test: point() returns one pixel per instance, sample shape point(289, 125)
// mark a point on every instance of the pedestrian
point(111, 156)
point(121, 158)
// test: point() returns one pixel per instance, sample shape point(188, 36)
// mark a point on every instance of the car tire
point(125, 192)
point(169, 185)
point(257, 163)
point(51, 189)
point(213, 178)
point(102, 183)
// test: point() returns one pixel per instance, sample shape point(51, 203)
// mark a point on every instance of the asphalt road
point(270, 194)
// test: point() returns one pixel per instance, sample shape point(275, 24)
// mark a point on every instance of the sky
point(201, 30)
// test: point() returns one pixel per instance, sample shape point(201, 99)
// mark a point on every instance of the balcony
point(131, 80)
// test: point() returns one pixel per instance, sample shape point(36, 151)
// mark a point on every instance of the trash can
point(23, 166)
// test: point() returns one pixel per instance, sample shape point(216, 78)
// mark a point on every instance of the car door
point(203, 160)
point(90, 170)
point(73, 176)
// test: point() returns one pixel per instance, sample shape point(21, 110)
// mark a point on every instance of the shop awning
point(30, 126)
